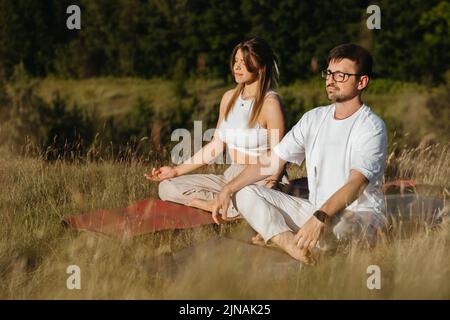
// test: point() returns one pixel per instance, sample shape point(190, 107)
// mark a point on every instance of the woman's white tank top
point(235, 133)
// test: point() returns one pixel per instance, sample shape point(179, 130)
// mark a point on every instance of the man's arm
point(290, 149)
point(309, 234)
point(348, 193)
point(251, 174)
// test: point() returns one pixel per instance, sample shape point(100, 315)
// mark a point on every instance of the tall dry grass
point(35, 250)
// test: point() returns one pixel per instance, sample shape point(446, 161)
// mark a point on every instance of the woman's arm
point(272, 116)
point(205, 155)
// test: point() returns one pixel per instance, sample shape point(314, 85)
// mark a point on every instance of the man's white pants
point(271, 212)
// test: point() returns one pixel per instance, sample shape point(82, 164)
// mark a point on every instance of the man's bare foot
point(286, 242)
point(206, 205)
point(258, 240)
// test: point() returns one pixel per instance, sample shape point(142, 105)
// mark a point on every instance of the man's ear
point(363, 82)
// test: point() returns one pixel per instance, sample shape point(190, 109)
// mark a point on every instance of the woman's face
point(241, 74)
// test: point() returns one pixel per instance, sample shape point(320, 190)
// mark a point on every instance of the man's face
point(350, 87)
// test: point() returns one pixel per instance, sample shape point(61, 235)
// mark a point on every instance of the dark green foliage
point(65, 132)
point(185, 39)
point(60, 130)
point(414, 43)
point(149, 38)
point(54, 128)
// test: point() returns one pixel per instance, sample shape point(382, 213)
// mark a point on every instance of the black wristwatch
point(321, 216)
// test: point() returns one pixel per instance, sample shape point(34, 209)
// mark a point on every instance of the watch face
point(322, 216)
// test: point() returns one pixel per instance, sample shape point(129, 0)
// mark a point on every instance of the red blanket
point(142, 217)
point(148, 216)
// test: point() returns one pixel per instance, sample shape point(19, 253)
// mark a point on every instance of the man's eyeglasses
point(338, 76)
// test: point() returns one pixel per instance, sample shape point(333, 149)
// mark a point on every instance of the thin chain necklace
point(243, 99)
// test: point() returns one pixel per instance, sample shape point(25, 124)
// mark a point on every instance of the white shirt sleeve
point(292, 147)
point(369, 155)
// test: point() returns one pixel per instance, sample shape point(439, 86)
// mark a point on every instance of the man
point(344, 145)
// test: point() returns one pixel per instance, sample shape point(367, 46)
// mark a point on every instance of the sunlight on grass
point(36, 250)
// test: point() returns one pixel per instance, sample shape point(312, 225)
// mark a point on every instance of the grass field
point(35, 250)
point(407, 108)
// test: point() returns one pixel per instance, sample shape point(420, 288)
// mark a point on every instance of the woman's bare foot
point(286, 242)
point(206, 205)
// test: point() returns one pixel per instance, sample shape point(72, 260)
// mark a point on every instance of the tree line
point(158, 38)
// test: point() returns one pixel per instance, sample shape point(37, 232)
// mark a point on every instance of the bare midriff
point(238, 157)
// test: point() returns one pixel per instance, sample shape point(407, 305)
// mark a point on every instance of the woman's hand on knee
point(162, 173)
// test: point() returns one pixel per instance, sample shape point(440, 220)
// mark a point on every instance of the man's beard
point(337, 97)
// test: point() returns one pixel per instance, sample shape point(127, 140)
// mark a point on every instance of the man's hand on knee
point(220, 207)
point(307, 237)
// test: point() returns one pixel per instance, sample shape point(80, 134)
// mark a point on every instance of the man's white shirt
point(333, 147)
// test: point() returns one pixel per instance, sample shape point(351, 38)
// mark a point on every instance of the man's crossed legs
point(277, 216)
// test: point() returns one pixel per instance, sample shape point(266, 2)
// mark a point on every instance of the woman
point(250, 123)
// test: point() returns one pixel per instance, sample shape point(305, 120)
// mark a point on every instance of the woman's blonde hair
point(256, 51)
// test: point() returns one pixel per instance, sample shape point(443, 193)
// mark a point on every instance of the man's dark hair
point(355, 53)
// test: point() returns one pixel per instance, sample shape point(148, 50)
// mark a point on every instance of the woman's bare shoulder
point(271, 109)
point(272, 103)
point(226, 98)
point(228, 94)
